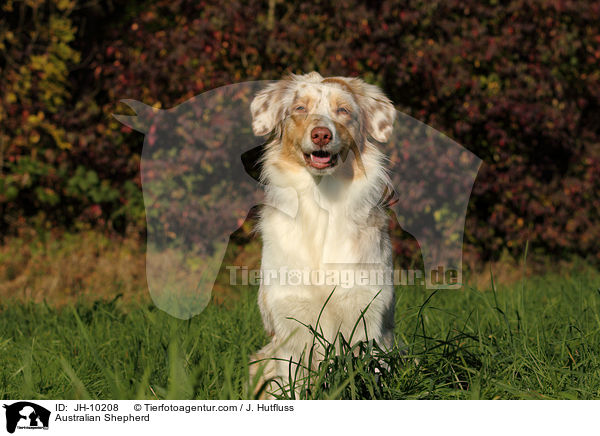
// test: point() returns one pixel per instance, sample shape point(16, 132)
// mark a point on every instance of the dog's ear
point(268, 108)
point(378, 111)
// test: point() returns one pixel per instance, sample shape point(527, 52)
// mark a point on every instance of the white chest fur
point(336, 234)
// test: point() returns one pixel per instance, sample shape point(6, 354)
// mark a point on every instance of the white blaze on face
point(346, 110)
point(321, 103)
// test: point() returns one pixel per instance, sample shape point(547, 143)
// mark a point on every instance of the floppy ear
point(268, 107)
point(378, 111)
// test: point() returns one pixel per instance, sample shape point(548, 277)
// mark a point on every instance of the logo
point(201, 168)
point(26, 415)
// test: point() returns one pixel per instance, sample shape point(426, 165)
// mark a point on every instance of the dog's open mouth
point(321, 159)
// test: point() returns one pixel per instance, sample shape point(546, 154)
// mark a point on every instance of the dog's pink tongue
point(321, 160)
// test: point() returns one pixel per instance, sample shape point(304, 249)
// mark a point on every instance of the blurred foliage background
point(517, 83)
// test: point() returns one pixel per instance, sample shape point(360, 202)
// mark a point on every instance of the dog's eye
point(300, 109)
point(342, 110)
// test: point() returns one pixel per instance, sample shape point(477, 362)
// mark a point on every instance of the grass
point(539, 338)
point(72, 267)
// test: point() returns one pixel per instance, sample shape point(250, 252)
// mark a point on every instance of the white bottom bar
point(298, 417)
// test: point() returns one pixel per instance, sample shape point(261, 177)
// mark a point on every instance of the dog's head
point(317, 121)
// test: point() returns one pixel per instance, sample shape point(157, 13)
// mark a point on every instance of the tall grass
point(536, 339)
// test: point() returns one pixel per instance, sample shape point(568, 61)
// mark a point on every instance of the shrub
point(515, 83)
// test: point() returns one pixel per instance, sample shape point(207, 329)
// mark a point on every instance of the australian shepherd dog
point(325, 229)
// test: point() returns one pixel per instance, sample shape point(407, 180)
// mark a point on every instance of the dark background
point(517, 83)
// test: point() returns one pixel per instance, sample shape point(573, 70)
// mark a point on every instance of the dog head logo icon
point(26, 415)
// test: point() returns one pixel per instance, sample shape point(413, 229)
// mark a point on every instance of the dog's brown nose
point(320, 136)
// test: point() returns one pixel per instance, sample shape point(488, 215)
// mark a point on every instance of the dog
point(327, 187)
